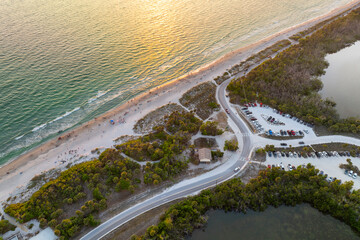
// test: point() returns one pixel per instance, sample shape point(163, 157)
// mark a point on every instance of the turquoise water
point(301, 222)
point(64, 62)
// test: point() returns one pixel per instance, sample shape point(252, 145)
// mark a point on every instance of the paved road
point(194, 186)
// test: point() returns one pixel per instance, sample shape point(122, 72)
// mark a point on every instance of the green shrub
point(231, 145)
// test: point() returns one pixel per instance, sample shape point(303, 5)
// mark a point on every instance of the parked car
point(351, 173)
point(346, 172)
point(289, 167)
point(283, 144)
point(355, 176)
point(301, 142)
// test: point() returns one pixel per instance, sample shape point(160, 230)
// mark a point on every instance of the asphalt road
point(185, 190)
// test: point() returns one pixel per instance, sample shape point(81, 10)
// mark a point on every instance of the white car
point(351, 173)
point(354, 176)
point(236, 169)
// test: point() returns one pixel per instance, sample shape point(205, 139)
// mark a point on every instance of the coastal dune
point(99, 133)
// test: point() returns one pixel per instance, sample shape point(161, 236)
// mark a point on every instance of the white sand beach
point(99, 133)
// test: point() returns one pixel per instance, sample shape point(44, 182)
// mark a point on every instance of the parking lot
point(264, 118)
point(329, 165)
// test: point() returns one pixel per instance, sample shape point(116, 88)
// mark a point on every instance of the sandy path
point(99, 133)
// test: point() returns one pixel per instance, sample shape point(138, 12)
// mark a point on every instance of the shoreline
point(87, 136)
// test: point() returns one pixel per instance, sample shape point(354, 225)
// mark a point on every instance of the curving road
point(185, 188)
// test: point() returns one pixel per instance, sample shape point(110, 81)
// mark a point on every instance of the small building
point(204, 155)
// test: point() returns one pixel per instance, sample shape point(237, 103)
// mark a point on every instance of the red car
point(227, 111)
point(269, 166)
point(255, 105)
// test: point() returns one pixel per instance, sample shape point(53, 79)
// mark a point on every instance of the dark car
point(283, 144)
point(269, 154)
point(301, 142)
point(287, 154)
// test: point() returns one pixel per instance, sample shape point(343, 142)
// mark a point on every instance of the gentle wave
point(42, 131)
point(65, 114)
point(98, 95)
point(37, 128)
point(127, 61)
point(19, 137)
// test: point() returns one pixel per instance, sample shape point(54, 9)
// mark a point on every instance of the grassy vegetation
point(289, 82)
point(216, 155)
point(182, 121)
point(74, 199)
point(210, 128)
point(156, 117)
point(272, 187)
point(205, 143)
point(300, 35)
point(339, 147)
point(6, 226)
point(231, 145)
point(201, 99)
point(70, 201)
point(256, 58)
point(350, 166)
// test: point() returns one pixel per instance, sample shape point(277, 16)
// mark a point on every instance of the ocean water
point(64, 62)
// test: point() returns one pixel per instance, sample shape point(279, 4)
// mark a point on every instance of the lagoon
point(299, 222)
point(342, 80)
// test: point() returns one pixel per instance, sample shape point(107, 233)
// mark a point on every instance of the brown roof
point(204, 155)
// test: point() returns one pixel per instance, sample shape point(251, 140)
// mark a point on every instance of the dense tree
point(231, 145)
point(290, 83)
point(210, 128)
point(6, 226)
point(272, 187)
